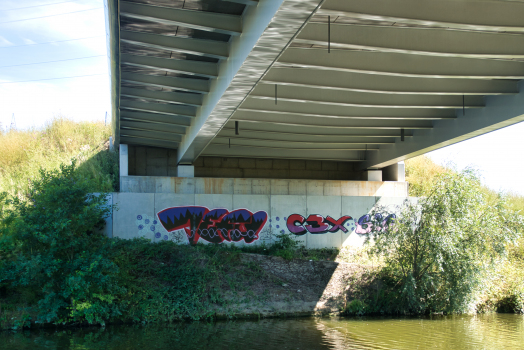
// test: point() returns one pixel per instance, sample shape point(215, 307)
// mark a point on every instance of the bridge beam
point(268, 29)
point(500, 111)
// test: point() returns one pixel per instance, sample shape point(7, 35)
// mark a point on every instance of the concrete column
point(124, 160)
point(401, 172)
point(373, 175)
point(185, 171)
point(394, 172)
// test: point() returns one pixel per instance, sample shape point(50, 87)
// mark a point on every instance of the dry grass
point(25, 152)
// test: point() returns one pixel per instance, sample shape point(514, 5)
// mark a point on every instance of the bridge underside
point(349, 85)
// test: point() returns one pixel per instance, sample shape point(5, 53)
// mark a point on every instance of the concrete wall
point(275, 169)
point(152, 161)
point(137, 215)
point(161, 184)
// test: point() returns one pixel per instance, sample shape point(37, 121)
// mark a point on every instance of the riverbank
point(222, 283)
point(240, 285)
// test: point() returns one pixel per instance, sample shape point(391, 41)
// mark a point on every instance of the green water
point(499, 331)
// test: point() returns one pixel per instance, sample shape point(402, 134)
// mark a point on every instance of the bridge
point(371, 82)
point(305, 89)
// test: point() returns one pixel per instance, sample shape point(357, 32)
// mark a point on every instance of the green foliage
point(288, 247)
point(503, 286)
point(56, 267)
point(436, 252)
point(24, 152)
point(168, 282)
point(58, 253)
point(356, 307)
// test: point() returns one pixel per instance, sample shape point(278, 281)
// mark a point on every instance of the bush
point(56, 267)
point(50, 249)
point(436, 252)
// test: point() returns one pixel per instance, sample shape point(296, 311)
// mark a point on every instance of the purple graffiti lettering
point(292, 226)
point(214, 226)
point(316, 224)
point(338, 224)
point(365, 224)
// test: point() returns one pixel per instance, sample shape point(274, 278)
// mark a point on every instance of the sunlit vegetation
point(24, 152)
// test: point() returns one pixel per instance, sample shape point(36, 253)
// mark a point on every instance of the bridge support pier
point(124, 160)
point(185, 171)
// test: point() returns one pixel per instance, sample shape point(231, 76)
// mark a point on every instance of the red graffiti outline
point(317, 224)
point(222, 230)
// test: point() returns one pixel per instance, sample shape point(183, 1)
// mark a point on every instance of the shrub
point(437, 250)
point(59, 256)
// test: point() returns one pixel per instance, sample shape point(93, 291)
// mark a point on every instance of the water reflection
point(498, 331)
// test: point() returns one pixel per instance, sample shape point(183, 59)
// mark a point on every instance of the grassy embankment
point(23, 153)
point(151, 275)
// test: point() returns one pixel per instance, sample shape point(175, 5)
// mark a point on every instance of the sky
point(33, 34)
point(72, 33)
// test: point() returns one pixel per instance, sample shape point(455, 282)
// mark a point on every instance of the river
point(494, 331)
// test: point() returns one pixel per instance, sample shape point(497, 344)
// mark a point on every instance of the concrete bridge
point(320, 93)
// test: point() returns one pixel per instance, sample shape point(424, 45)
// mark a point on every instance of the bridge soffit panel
point(368, 81)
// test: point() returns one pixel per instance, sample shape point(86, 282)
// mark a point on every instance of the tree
point(437, 249)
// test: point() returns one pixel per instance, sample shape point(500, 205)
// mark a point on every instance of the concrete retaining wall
point(137, 215)
point(166, 184)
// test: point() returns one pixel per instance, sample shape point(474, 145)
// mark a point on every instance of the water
point(499, 331)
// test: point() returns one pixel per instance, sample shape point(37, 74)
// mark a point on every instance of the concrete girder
point(199, 47)
point(183, 84)
point(155, 118)
point(500, 111)
point(313, 135)
point(153, 135)
point(328, 123)
point(148, 142)
point(327, 97)
point(224, 151)
point(424, 41)
point(253, 109)
point(203, 69)
point(465, 14)
point(161, 108)
point(317, 141)
point(385, 84)
point(398, 64)
point(268, 29)
point(201, 20)
point(112, 24)
point(185, 98)
point(136, 125)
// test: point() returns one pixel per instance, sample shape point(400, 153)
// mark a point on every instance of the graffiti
point(316, 224)
point(215, 225)
point(148, 227)
point(365, 223)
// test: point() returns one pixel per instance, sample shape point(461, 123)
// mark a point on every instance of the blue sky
point(77, 30)
point(24, 40)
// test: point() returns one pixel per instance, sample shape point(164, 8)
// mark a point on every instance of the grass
point(24, 152)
